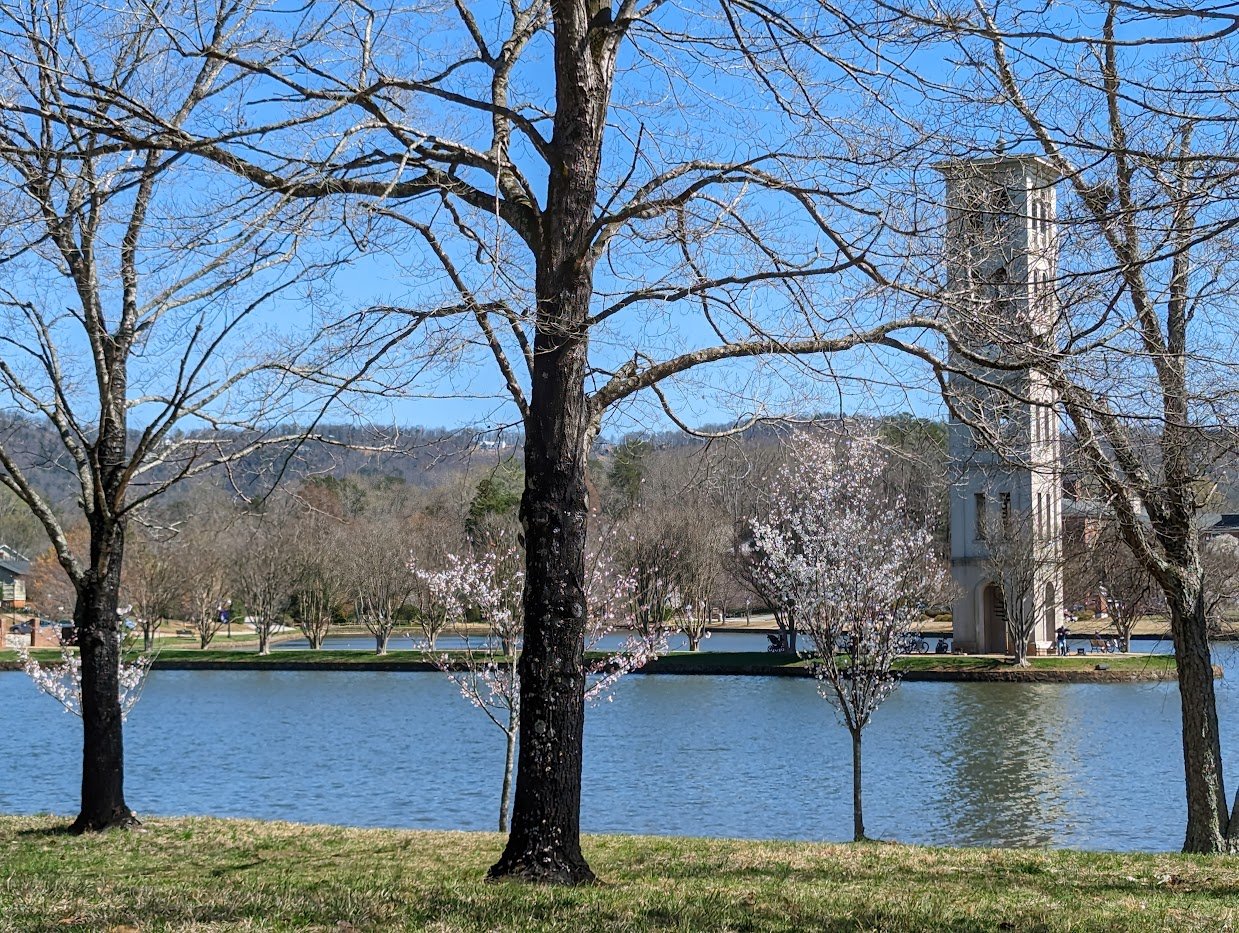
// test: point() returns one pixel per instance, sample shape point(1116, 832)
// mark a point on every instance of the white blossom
point(63, 682)
point(856, 570)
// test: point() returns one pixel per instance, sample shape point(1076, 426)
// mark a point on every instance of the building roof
point(1215, 523)
point(956, 168)
point(18, 568)
point(1209, 523)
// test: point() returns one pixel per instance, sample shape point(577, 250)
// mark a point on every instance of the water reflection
point(1005, 762)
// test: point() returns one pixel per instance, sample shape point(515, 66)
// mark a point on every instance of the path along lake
point(1073, 765)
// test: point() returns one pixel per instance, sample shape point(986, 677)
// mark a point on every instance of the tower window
point(1006, 510)
point(979, 504)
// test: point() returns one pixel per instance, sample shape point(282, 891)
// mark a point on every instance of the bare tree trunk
point(103, 758)
point(858, 817)
point(264, 640)
point(544, 844)
point(694, 642)
point(1207, 818)
point(146, 640)
point(380, 642)
point(505, 796)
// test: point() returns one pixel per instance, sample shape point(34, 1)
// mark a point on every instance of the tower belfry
point(1003, 440)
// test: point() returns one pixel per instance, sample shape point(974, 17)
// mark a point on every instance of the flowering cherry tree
point(63, 682)
point(857, 571)
point(486, 590)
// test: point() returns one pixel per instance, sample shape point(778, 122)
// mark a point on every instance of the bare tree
point(380, 578)
point(1131, 106)
point(651, 555)
point(320, 578)
point(1018, 560)
point(150, 584)
point(135, 285)
point(1101, 564)
point(697, 568)
point(562, 222)
point(266, 576)
point(202, 560)
point(1219, 558)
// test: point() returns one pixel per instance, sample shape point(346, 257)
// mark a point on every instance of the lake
point(1078, 765)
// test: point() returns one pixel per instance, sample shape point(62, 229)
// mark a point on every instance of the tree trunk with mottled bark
point(544, 844)
point(103, 759)
point(1208, 820)
point(545, 841)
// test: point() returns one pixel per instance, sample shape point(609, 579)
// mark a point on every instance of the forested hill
point(417, 456)
point(425, 457)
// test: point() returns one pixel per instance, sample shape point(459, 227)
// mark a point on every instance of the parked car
point(21, 628)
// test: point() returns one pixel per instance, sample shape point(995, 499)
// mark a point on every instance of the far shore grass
point(914, 667)
point(224, 875)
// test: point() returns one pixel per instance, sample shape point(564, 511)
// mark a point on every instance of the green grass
point(703, 662)
point(758, 662)
point(1125, 663)
point(200, 874)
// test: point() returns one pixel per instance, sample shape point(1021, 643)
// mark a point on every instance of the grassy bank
point(932, 666)
point(915, 667)
point(223, 875)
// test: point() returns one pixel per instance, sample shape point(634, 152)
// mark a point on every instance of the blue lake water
point(1080, 765)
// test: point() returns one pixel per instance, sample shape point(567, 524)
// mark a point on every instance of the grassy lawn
point(756, 662)
point(200, 874)
point(1131, 662)
point(702, 662)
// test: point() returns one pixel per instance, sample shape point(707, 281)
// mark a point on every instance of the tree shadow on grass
point(60, 829)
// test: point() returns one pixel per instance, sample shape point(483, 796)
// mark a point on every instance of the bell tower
point(1003, 439)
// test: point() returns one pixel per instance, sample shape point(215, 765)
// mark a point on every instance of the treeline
point(355, 547)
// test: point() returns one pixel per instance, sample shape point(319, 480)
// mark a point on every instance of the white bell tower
point(1003, 440)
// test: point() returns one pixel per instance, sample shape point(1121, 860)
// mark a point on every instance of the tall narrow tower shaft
point(1003, 441)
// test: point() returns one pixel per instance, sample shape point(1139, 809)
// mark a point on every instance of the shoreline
point(1098, 668)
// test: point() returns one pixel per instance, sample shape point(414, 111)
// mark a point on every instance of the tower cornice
point(990, 165)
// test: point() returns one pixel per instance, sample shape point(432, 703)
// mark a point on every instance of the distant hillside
point(417, 456)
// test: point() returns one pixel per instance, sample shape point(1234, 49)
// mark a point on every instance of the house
point(14, 569)
point(1214, 524)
